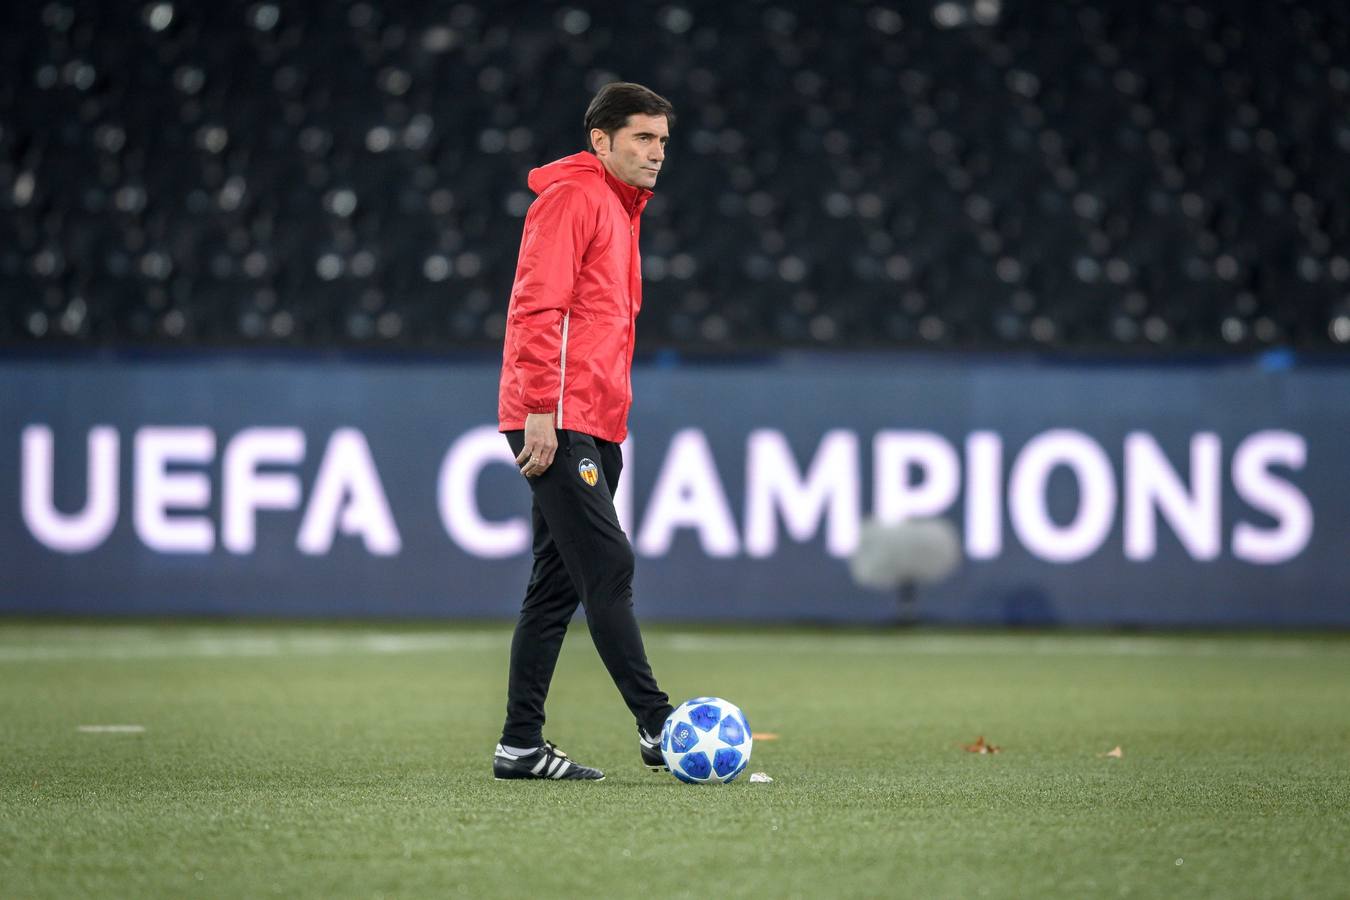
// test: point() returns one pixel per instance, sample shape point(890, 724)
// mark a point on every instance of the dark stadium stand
point(979, 174)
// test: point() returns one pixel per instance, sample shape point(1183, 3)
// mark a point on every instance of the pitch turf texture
point(333, 761)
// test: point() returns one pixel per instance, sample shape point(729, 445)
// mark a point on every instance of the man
point(563, 405)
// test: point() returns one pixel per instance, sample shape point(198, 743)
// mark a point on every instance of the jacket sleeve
point(558, 229)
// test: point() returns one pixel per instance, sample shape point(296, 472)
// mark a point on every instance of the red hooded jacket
point(578, 289)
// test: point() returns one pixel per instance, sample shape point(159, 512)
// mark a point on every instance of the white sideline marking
point(1010, 645)
point(111, 729)
point(78, 642)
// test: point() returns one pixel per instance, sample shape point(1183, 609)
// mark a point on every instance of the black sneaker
point(546, 762)
point(652, 757)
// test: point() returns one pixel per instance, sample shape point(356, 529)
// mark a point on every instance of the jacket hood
point(583, 167)
point(570, 168)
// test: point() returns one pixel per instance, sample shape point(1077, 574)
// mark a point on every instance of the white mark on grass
point(1006, 645)
point(111, 729)
point(78, 643)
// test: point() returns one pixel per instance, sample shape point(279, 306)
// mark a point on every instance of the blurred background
point(1071, 278)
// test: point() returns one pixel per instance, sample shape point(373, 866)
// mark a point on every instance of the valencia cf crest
point(589, 472)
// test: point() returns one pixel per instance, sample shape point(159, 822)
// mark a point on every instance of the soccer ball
point(706, 741)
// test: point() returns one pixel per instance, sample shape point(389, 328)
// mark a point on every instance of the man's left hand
point(541, 444)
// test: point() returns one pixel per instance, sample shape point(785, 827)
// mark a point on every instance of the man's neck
point(629, 194)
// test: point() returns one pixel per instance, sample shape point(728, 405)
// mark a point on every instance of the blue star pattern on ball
point(732, 732)
point(696, 765)
point(727, 763)
point(683, 738)
point(705, 716)
point(706, 740)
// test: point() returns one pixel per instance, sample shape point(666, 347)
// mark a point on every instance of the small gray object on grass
point(110, 729)
point(900, 556)
point(759, 778)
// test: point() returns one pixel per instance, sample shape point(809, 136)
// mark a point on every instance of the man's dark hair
point(615, 102)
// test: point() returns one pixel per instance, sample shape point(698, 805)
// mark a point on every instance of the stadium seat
point(1088, 175)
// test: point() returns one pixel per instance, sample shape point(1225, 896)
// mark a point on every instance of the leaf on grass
point(764, 736)
point(1116, 753)
point(980, 746)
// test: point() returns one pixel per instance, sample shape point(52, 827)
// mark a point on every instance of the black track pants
point(581, 555)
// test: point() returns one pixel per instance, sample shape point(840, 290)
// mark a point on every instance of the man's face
point(635, 154)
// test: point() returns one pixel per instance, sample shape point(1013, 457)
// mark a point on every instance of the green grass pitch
point(353, 761)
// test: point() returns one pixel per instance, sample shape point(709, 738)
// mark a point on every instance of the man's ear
point(599, 140)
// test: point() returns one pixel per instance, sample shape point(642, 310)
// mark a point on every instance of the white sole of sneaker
point(601, 778)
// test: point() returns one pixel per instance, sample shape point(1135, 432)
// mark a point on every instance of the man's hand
point(541, 443)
